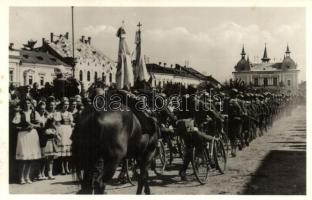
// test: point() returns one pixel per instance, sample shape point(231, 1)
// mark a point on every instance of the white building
point(161, 75)
point(29, 66)
point(278, 75)
point(91, 64)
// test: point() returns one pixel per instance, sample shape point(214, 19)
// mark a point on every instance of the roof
point(242, 65)
point(213, 80)
point(83, 51)
point(155, 68)
point(37, 57)
point(194, 72)
point(288, 63)
point(179, 70)
point(266, 67)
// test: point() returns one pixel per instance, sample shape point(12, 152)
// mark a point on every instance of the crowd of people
point(40, 130)
point(41, 124)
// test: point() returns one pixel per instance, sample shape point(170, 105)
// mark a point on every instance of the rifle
point(251, 118)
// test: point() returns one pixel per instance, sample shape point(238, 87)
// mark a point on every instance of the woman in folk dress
point(43, 115)
point(65, 131)
point(28, 145)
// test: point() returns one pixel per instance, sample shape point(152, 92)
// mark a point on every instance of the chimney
point(171, 65)
point(89, 40)
point(51, 37)
point(159, 63)
point(66, 35)
point(11, 46)
point(43, 41)
point(82, 38)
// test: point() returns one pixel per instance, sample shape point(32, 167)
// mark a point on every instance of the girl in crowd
point(55, 115)
point(73, 109)
point(65, 131)
point(42, 121)
point(28, 146)
point(51, 147)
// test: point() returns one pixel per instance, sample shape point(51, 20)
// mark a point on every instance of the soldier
point(235, 121)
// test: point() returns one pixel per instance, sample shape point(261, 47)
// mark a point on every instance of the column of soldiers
point(242, 116)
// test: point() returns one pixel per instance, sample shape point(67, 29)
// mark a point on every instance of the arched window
point(103, 77)
point(80, 75)
point(88, 76)
point(110, 77)
point(95, 76)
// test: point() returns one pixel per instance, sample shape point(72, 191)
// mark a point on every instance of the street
point(273, 164)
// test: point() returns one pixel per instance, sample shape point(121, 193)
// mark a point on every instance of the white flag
point(124, 75)
point(140, 71)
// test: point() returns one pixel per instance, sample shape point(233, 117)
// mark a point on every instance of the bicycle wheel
point(200, 164)
point(226, 141)
point(219, 156)
point(132, 171)
point(181, 146)
point(160, 158)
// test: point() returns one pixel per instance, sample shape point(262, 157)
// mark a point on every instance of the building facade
point(90, 64)
point(27, 66)
point(162, 75)
point(276, 76)
point(30, 65)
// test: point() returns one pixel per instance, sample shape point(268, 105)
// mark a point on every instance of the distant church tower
point(265, 58)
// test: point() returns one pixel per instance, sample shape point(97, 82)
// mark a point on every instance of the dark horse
point(102, 139)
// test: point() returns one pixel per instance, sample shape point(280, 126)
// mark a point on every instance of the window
point(288, 83)
point(88, 76)
point(103, 77)
point(275, 81)
point(256, 81)
point(110, 77)
point(80, 75)
point(41, 80)
point(11, 75)
point(265, 81)
point(95, 76)
point(30, 80)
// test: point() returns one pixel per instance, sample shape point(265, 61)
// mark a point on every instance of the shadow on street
point(281, 173)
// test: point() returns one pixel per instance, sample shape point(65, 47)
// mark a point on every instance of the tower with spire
point(287, 52)
point(281, 75)
point(265, 58)
point(243, 53)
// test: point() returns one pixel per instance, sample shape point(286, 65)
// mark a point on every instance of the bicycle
point(208, 156)
point(133, 171)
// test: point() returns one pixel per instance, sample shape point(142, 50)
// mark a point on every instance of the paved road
point(273, 164)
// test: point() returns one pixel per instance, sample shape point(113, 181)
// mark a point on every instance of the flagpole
point(73, 41)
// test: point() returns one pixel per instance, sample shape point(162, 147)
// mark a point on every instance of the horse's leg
point(86, 183)
point(97, 176)
point(122, 175)
point(106, 172)
point(140, 180)
point(144, 167)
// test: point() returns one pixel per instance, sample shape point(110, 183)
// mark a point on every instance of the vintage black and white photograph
point(157, 100)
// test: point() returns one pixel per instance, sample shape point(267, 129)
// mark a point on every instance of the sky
point(209, 38)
